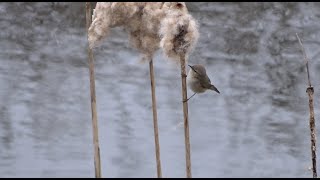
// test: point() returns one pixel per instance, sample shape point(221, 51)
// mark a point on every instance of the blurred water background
point(257, 127)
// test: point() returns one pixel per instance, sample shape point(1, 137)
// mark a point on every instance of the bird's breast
point(195, 85)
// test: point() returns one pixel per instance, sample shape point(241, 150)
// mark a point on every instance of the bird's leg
point(189, 98)
point(183, 75)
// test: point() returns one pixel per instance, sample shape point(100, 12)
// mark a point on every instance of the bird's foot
point(189, 98)
point(183, 75)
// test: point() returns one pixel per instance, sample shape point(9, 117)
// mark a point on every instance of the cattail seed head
point(151, 25)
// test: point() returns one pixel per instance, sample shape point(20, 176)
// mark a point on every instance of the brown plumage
point(198, 80)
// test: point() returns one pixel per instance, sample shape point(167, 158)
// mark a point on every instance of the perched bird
point(198, 80)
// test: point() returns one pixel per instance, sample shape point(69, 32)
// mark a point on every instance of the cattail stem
point(155, 119)
point(185, 114)
point(97, 164)
point(310, 92)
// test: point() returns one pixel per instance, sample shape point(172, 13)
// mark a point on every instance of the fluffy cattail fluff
point(147, 44)
point(99, 28)
point(122, 12)
point(152, 15)
point(150, 25)
point(107, 15)
point(143, 29)
point(178, 30)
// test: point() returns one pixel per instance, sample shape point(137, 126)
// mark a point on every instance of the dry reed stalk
point(185, 115)
point(151, 26)
point(310, 92)
point(97, 164)
point(155, 119)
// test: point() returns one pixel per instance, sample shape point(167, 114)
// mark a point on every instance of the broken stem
point(310, 92)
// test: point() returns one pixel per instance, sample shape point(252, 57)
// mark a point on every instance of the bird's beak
point(214, 88)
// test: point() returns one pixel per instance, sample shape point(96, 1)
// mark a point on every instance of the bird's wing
point(205, 81)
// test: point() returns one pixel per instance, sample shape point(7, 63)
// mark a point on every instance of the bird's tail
point(212, 87)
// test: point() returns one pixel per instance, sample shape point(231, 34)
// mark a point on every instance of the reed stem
point(97, 164)
point(155, 119)
point(185, 114)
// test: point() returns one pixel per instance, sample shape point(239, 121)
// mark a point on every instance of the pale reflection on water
point(257, 127)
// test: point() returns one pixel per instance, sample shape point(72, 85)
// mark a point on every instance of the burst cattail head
point(122, 12)
point(107, 15)
point(178, 30)
point(176, 7)
point(143, 29)
point(99, 28)
point(150, 25)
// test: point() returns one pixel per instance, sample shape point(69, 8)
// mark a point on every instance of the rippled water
point(257, 127)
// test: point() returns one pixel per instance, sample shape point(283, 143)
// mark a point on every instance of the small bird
point(198, 80)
